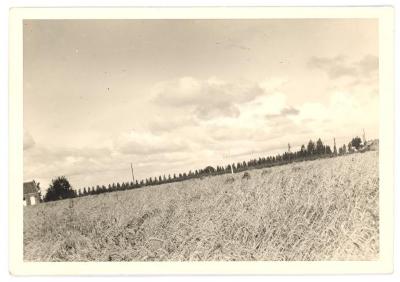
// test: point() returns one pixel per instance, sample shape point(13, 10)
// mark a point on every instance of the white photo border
point(384, 264)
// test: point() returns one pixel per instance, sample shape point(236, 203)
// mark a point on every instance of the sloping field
point(319, 210)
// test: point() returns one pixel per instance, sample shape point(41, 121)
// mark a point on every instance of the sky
point(171, 96)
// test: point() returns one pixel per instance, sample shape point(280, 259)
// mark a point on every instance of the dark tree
point(303, 150)
point(350, 148)
point(320, 147)
point(310, 147)
point(356, 142)
point(59, 189)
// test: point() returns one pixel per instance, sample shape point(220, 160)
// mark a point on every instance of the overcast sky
point(175, 95)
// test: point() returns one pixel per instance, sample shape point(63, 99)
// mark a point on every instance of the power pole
point(227, 157)
point(364, 140)
point(133, 178)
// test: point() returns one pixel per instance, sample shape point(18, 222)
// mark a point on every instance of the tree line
point(61, 189)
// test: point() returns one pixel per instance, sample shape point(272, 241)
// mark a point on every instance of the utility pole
point(133, 178)
point(364, 140)
point(227, 157)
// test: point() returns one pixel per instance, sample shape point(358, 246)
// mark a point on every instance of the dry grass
point(319, 210)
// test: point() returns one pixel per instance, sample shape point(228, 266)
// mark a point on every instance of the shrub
point(246, 175)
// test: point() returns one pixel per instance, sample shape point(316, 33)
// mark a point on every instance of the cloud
point(341, 66)
point(288, 111)
point(211, 98)
point(147, 143)
point(44, 163)
point(54, 154)
point(170, 122)
point(335, 67)
point(346, 112)
point(251, 131)
point(368, 65)
point(29, 142)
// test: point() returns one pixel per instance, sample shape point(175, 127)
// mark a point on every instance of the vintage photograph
point(201, 140)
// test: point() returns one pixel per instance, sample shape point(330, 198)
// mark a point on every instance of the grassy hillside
point(319, 210)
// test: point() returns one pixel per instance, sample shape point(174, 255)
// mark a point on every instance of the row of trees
point(59, 187)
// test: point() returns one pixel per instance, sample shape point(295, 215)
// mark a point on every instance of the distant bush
point(246, 175)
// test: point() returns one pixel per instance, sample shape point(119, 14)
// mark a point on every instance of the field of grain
point(318, 210)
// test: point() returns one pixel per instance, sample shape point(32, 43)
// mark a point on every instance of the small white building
point(31, 193)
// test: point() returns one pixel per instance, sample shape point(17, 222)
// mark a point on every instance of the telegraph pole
point(365, 141)
point(227, 158)
point(133, 178)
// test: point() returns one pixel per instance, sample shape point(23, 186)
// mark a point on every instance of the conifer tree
point(310, 147)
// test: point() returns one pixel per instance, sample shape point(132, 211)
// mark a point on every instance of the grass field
point(318, 210)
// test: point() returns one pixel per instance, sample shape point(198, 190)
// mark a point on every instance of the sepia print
point(201, 140)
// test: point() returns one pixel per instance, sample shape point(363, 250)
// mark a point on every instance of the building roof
point(30, 187)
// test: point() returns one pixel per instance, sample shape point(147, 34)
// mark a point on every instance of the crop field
point(325, 209)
